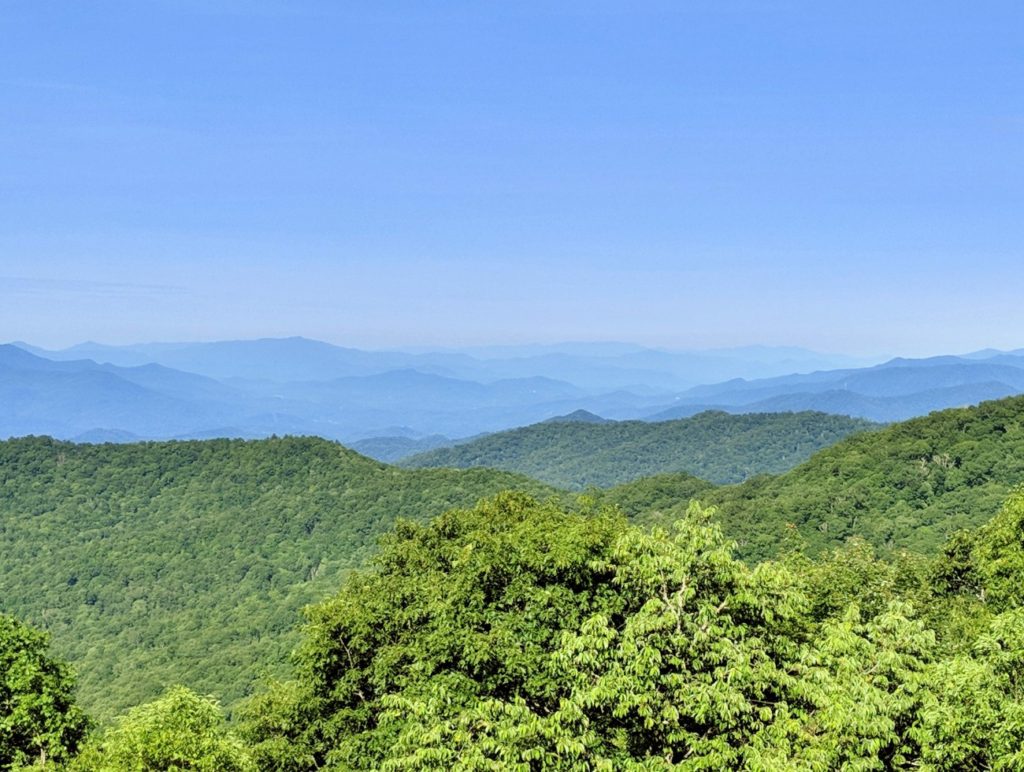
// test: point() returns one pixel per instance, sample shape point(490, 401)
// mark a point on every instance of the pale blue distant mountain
point(391, 448)
point(299, 386)
point(78, 398)
point(894, 390)
point(101, 436)
point(66, 399)
point(599, 367)
point(406, 388)
point(273, 359)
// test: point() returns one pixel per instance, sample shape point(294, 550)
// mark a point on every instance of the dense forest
point(909, 485)
point(155, 563)
point(715, 446)
point(862, 610)
point(528, 636)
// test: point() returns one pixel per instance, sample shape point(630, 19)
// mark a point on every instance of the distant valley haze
point(410, 225)
point(392, 404)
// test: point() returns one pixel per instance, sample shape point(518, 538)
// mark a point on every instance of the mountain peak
point(577, 417)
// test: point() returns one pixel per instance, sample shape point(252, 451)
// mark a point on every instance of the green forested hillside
point(521, 635)
point(714, 446)
point(158, 563)
point(188, 562)
point(524, 636)
point(908, 485)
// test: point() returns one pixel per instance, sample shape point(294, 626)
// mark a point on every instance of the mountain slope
point(907, 485)
point(69, 398)
point(187, 562)
point(714, 446)
point(896, 390)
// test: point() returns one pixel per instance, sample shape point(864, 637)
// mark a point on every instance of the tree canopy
point(189, 562)
point(910, 485)
point(179, 731)
point(39, 720)
point(520, 635)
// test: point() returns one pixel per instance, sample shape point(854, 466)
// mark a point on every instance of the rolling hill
point(909, 485)
point(159, 563)
point(716, 446)
point(195, 557)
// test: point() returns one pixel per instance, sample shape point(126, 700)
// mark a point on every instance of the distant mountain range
point(597, 367)
point(407, 402)
point(892, 391)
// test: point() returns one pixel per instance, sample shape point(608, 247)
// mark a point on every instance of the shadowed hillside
point(715, 446)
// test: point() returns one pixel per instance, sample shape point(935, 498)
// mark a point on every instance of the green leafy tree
point(469, 608)
point(39, 720)
point(179, 731)
point(522, 636)
point(999, 555)
point(973, 716)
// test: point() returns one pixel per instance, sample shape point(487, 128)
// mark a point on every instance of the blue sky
point(843, 176)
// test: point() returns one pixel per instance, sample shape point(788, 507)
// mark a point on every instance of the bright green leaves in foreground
point(466, 609)
point(179, 731)
point(692, 668)
point(517, 635)
point(38, 719)
point(974, 714)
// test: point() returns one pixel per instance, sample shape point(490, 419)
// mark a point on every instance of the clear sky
point(843, 176)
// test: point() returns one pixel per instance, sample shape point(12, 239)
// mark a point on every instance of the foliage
point(911, 485)
point(474, 603)
point(998, 555)
point(188, 562)
point(39, 720)
point(522, 636)
point(178, 731)
point(655, 500)
point(714, 445)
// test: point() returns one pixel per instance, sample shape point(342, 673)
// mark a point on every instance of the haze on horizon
point(844, 178)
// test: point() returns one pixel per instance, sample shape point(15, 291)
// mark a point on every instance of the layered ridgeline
point(187, 562)
point(909, 485)
point(893, 391)
point(160, 563)
point(405, 402)
point(715, 446)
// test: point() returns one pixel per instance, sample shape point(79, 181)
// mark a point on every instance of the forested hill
point(715, 446)
point(159, 563)
point(188, 562)
point(908, 485)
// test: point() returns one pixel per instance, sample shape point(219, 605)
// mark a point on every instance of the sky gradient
point(846, 177)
